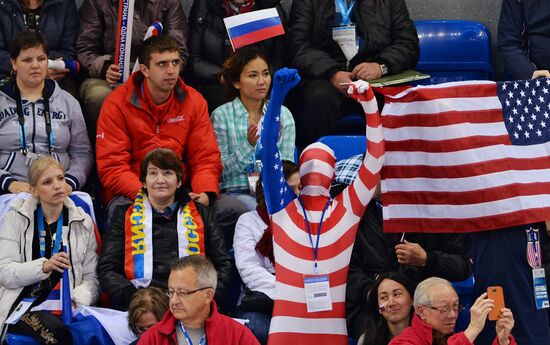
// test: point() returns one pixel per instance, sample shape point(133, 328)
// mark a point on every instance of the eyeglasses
point(140, 330)
point(183, 294)
point(447, 308)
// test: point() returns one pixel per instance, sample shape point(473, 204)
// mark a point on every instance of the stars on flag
point(523, 104)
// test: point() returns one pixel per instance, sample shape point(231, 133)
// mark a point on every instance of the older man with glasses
point(193, 317)
point(436, 310)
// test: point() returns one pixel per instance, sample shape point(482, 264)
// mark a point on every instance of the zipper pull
point(158, 128)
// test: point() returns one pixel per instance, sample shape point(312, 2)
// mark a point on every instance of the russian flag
point(252, 27)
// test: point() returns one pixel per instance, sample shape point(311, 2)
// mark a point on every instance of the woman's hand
point(504, 326)
point(478, 315)
point(57, 262)
point(18, 187)
point(252, 134)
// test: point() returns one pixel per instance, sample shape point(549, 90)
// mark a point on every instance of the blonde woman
point(32, 236)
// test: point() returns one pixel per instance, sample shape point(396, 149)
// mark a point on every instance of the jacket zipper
point(33, 129)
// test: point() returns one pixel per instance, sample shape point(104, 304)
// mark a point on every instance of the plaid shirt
point(346, 169)
point(230, 122)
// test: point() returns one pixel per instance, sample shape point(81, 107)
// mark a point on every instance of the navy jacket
point(58, 22)
point(500, 258)
point(524, 37)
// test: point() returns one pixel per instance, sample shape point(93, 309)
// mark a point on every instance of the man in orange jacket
point(153, 109)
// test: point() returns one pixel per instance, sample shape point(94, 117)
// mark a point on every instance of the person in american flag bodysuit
point(311, 269)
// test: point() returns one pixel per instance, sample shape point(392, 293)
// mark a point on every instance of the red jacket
point(420, 333)
point(220, 330)
point(130, 125)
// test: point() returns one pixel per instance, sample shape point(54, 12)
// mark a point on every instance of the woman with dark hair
point(57, 20)
point(253, 245)
point(247, 84)
point(389, 308)
point(209, 44)
point(162, 225)
point(38, 118)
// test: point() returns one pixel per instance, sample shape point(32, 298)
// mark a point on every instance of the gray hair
point(422, 294)
point(206, 273)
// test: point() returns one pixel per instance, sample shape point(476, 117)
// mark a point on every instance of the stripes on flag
point(456, 160)
point(252, 27)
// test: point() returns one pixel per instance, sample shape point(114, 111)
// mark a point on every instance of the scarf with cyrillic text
point(138, 238)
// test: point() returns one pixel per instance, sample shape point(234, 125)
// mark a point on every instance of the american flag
point(466, 156)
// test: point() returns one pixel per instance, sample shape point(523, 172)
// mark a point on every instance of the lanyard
point(42, 232)
point(21, 118)
point(533, 248)
point(188, 338)
point(345, 11)
point(316, 247)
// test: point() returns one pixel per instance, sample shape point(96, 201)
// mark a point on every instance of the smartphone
point(496, 294)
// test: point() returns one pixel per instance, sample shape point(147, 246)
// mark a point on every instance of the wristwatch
point(384, 69)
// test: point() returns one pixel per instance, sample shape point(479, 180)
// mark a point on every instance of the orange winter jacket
point(130, 125)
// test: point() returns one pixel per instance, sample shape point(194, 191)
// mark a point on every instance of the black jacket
point(385, 25)
point(165, 250)
point(58, 23)
point(209, 45)
point(374, 253)
point(524, 37)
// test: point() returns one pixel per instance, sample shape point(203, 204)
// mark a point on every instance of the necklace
point(52, 240)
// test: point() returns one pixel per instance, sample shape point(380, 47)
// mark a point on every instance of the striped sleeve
point(357, 195)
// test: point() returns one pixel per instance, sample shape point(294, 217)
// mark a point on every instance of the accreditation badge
point(19, 311)
point(317, 290)
point(534, 258)
point(253, 174)
point(346, 37)
point(539, 287)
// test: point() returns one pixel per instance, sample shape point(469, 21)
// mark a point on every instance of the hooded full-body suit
point(294, 252)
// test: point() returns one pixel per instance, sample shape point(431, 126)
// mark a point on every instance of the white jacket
point(257, 272)
point(17, 269)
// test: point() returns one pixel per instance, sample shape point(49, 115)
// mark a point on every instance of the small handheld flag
point(66, 302)
point(252, 27)
point(154, 30)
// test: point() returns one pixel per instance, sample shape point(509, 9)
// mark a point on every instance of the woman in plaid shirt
point(236, 123)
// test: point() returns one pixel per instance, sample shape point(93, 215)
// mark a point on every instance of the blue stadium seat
point(351, 124)
point(465, 291)
point(454, 50)
point(345, 146)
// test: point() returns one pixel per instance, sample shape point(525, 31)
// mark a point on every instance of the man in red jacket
point(436, 310)
point(193, 317)
point(153, 109)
